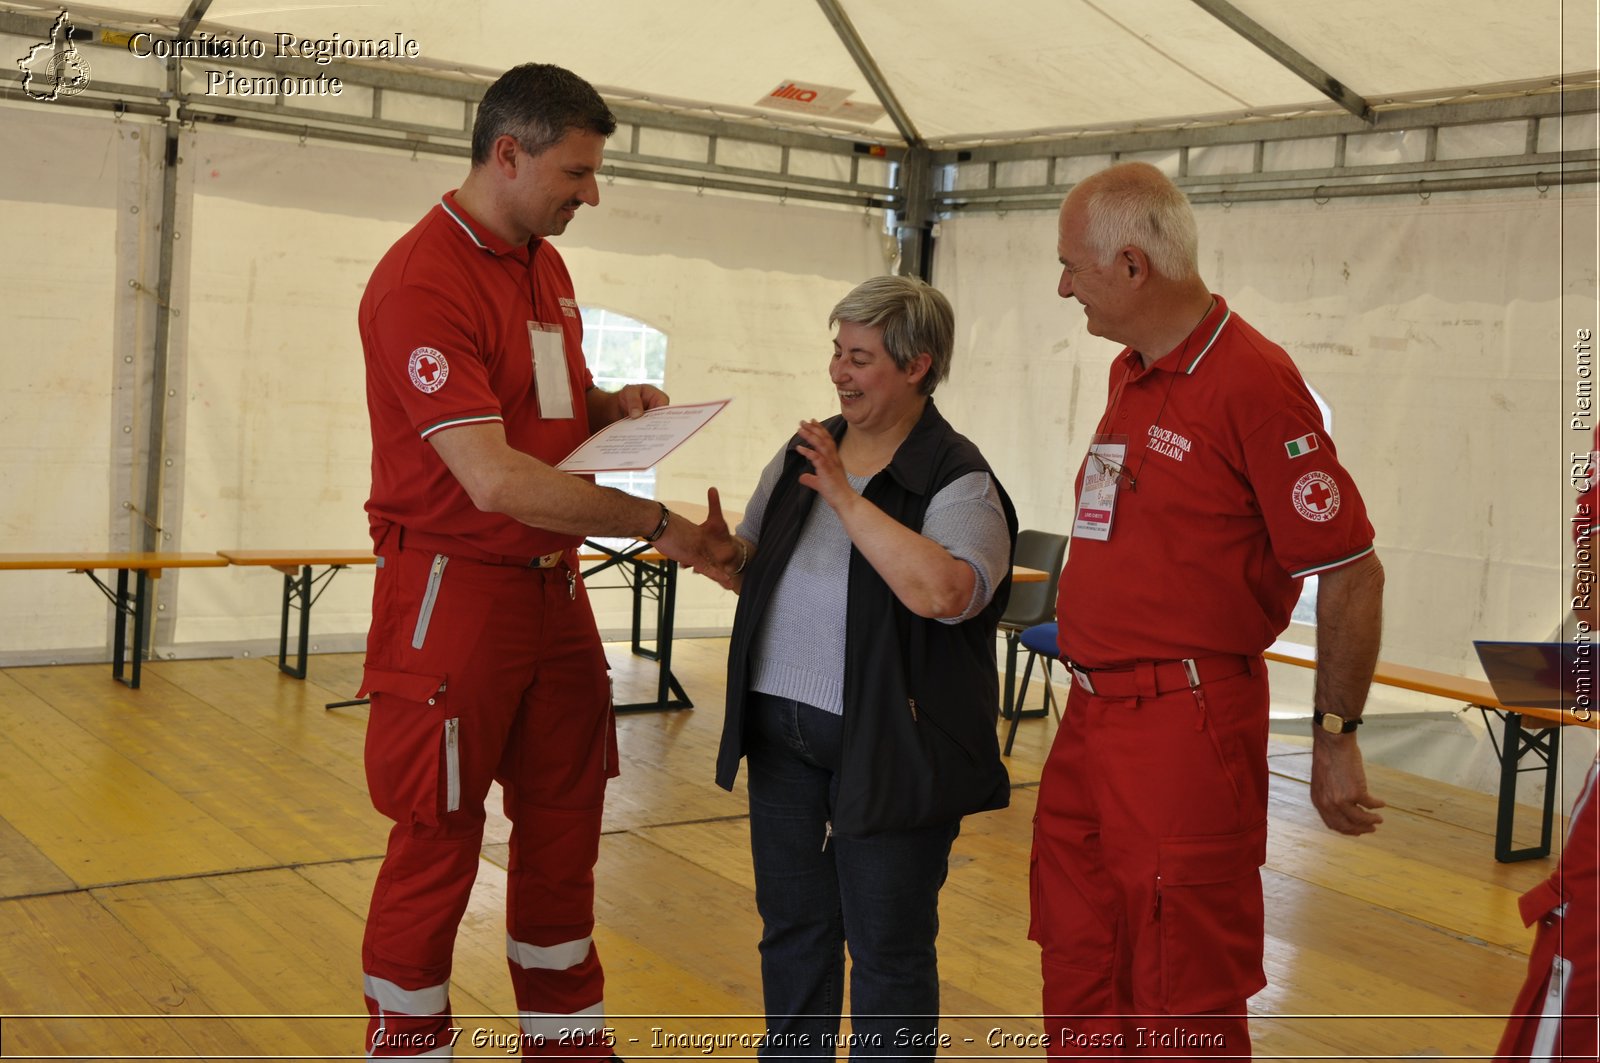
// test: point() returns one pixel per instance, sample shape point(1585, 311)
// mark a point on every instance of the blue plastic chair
point(1040, 642)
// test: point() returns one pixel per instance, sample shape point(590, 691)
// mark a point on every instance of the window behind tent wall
point(622, 351)
point(1305, 610)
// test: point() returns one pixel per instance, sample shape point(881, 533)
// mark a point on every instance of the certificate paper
point(634, 444)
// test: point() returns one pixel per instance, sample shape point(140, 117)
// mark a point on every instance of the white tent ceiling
point(961, 72)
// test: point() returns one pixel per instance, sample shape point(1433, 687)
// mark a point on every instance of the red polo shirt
point(1238, 496)
point(447, 326)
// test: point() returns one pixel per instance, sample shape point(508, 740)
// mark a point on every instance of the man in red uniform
point(1211, 490)
point(1558, 1011)
point(483, 662)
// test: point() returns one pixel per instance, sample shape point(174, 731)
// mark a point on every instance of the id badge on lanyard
point(551, 381)
point(1102, 476)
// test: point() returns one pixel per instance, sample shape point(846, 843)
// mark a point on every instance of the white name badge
point(551, 381)
point(1097, 502)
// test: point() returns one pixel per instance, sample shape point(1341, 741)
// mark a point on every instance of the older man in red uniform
point(483, 662)
point(1210, 491)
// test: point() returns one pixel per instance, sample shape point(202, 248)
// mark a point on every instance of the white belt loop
point(1194, 673)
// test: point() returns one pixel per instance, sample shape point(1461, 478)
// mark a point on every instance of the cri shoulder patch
point(1316, 496)
point(428, 369)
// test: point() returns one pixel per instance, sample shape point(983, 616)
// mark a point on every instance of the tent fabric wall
point(1438, 333)
point(78, 210)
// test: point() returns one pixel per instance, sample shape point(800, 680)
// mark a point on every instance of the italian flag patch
point(1299, 448)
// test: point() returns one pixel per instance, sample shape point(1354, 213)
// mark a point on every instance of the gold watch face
point(1332, 723)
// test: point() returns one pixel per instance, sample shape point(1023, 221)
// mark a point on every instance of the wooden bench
point(1518, 738)
point(146, 566)
point(298, 581)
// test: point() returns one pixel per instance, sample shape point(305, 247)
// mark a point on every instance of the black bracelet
point(661, 529)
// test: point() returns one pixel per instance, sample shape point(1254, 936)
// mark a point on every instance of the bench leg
point(119, 638)
point(662, 577)
point(141, 594)
point(297, 595)
point(1517, 742)
point(1552, 764)
point(283, 624)
point(296, 592)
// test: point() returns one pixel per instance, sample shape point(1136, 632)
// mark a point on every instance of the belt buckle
point(1081, 677)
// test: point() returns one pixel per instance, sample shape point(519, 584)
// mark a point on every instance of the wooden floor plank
point(285, 711)
point(631, 899)
point(1403, 867)
point(65, 955)
point(23, 868)
point(1311, 927)
point(230, 772)
point(89, 809)
point(668, 766)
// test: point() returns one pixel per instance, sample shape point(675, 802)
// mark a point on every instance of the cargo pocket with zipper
point(413, 746)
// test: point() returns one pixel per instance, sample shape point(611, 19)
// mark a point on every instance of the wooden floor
point(184, 870)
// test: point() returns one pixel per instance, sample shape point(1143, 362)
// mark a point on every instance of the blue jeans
point(816, 893)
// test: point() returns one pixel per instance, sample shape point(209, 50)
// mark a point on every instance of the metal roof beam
point(1305, 69)
point(192, 17)
point(1540, 181)
point(1467, 112)
point(869, 69)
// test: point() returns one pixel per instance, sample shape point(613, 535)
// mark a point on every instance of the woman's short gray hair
point(914, 317)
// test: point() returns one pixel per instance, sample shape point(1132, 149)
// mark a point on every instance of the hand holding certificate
point(633, 444)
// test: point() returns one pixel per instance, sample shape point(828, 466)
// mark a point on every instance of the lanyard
point(1115, 405)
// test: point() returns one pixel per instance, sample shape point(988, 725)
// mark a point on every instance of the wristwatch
point(1333, 723)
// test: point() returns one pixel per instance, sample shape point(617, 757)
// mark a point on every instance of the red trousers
point(1146, 882)
point(1556, 1014)
point(478, 673)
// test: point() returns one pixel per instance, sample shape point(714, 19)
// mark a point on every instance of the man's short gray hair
point(1136, 204)
point(914, 317)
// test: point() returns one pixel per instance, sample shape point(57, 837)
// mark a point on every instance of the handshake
point(708, 548)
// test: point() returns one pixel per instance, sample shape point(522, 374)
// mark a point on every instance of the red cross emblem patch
point(428, 369)
point(1316, 496)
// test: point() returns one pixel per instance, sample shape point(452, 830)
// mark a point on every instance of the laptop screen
point(1543, 675)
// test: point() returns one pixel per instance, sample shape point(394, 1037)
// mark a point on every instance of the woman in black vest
point(862, 685)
